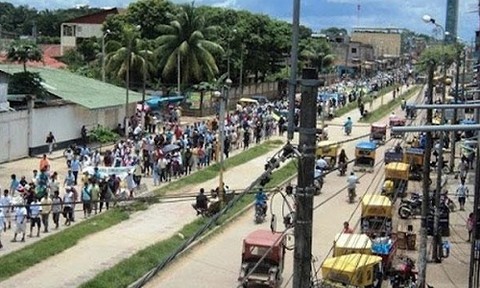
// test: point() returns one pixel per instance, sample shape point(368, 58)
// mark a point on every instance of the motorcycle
point(411, 207)
point(348, 130)
point(318, 181)
point(351, 195)
point(342, 167)
point(404, 274)
point(260, 213)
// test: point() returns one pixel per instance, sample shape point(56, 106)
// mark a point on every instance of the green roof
point(84, 91)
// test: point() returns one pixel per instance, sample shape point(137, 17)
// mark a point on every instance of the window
point(68, 30)
point(354, 50)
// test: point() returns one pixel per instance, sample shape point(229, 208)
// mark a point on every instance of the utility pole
point(437, 233)
point(453, 135)
point(292, 87)
point(302, 255)
point(422, 257)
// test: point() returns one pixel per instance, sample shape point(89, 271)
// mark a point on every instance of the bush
point(103, 135)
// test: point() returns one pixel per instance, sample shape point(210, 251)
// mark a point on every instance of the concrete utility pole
point(292, 87)
point(302, 255)
point(422, 257)
point(453, 135)
point(474, 272)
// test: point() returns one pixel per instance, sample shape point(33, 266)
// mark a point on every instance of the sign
point(104, 171)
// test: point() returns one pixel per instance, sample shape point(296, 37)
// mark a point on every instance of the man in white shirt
point(35, 210)
point(321, 164)
point(68, 201)
point(2, 225)
point(6, 206)
point(352, 182)
point(462, 194)
point(20, 220)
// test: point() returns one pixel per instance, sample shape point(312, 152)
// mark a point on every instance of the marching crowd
point(161, 152)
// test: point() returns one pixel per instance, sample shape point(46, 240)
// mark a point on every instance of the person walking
point(57, 208)
point(6, 205)
point(35, 210)
point(462, 194)
point(75, 166)
point(95, 188)
point(68, 204)
point(21, 222)
point(470, 224)
point(46, 205)
point(50, 142)
point(86, 200)
point(2, 225)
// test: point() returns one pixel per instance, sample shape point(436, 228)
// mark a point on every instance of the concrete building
point(73, 101)
point(84, 27)
point(352, 57)
point(451, 25)
point(386, 42)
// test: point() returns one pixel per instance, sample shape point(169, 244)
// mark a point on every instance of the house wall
point(13, 135)
point(89, 30)
point(383, 43)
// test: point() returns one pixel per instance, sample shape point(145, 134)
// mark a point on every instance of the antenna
point(358, 13)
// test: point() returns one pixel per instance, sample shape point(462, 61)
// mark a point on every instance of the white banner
point(120, 172)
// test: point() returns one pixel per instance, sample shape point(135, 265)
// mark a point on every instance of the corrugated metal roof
point(84, 91)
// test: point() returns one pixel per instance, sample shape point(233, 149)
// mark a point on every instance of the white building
point(83, 27)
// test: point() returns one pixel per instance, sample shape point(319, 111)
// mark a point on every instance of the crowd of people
point(160, 152)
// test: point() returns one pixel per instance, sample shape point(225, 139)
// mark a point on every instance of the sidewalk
point(104, 249)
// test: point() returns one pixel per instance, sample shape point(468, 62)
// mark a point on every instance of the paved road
point(217, 262)
point(141, 230)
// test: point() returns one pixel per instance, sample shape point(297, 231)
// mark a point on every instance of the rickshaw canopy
point(468, 122)
point(366, 145)
point(265, 238)
point(347, 243)
point(248, 101)
point(379, 126)
point(376, 205)
point(414, 156)
point(259, 242)
point(353, 269)
point(397, 170)
point(397, 121)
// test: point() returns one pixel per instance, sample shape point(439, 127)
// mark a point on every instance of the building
point(84, 27)
point(386, 42)
point(451, 25)
point(352, 57)
point(75, 101)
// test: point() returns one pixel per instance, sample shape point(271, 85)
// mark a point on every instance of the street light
point(107, 32)
point(223, 97)
point(437, 237)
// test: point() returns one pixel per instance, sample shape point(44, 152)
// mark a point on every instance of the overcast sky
point(318, 14)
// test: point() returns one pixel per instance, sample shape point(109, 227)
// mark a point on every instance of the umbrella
point(169, 148)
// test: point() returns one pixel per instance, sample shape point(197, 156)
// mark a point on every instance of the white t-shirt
point(5, 202)
point(35, 210)
point(321, 163)
point(352, 181)
point(20, 213)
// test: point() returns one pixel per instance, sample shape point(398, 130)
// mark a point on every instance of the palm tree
point(23, 51)
point(131, 53)
point(185, 41)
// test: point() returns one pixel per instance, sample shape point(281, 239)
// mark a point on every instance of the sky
point(318, 14)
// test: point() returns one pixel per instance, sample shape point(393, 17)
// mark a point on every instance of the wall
point(383, 43)
point(13, 135)
point(89, 30)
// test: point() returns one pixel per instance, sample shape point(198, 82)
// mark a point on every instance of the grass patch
point(17, 261)
point(385, 109)
point(212, 171)
point(131, 269)
point(353, 105)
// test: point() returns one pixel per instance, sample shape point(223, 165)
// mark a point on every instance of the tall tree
point(22, 51)
point(187, 38)
point(149, 14)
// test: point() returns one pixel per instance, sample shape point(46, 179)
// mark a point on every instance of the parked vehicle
point(378, 133)
point(398, 174)
point(269, 271)
point(410, 207)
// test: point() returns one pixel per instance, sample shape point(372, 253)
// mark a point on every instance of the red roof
point(264, 238)
point(95, 18)
point(49, 52)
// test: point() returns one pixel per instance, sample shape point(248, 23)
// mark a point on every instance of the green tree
point(130, 55)
point(437, 55)
point(316, 53)
point(187, 38)
point(23, 51)
point(28, 83)
point(149, 14)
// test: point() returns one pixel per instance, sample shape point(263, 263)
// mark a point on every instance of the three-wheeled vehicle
point(352, 270)
point(410, 113)
point(378, 133)
point(398, 174)
point(269, 272)
point(415, 158)
point(396, 121)
point(329, 150)
point(346, 243)
point(364, 156)
point(376, 215)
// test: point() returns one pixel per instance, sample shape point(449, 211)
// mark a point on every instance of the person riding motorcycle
point(348, 126)
point(261, 200)
point(352, 182)
point(321, 164)
point(201, 202)
point(342, 162)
